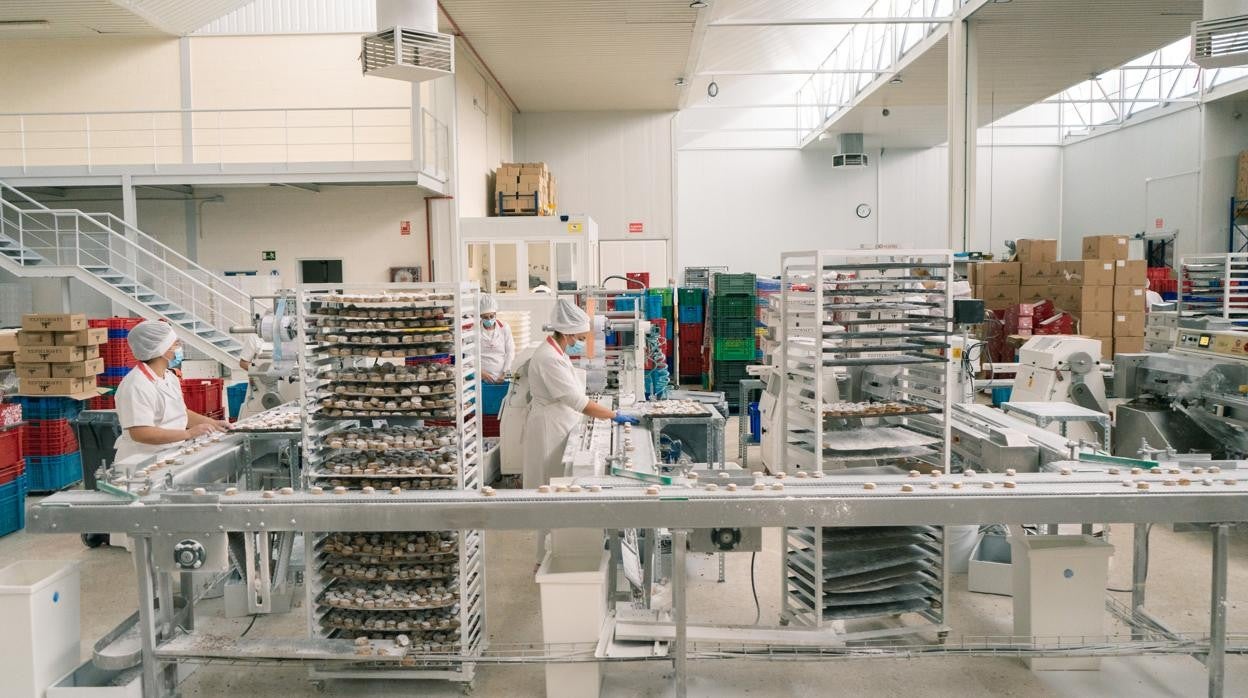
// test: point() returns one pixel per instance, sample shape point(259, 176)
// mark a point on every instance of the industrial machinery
point(272, 376)
point(1187, 400)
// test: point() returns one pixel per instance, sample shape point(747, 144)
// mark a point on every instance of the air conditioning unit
point(1220, 40)
point(849, 151)
point(410, 48)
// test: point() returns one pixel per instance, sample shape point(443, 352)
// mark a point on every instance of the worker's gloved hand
point(199, 430)
point(625, 418)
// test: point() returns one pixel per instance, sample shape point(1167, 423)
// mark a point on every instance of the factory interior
point(648, 348)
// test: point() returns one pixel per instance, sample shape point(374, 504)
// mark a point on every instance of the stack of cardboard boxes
point(1104, 290)
point(8, 348)
point(524, 189)
point(58, 355)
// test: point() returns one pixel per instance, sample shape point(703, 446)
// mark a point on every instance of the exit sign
point(636, 227)
point(268, 256)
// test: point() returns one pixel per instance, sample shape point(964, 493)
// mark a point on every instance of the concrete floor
point(1178, 594)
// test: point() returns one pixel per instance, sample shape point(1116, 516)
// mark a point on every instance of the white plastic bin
point(990, 571)
point(574, 607)
point(1059, 593)
point(39, 602)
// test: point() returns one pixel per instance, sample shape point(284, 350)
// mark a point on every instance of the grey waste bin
point(97, 434)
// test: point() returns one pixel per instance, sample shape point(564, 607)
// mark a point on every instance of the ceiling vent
point(849, 151)
point(410, 48)
point(1220, 40)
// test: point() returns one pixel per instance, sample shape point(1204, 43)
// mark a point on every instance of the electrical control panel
point(1222, 344)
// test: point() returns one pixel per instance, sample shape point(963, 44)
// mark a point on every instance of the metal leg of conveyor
point(680, 615)
point(1217, 611)
point(1139, 571)
point(151, 620)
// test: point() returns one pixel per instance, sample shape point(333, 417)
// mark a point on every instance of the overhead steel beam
point(822, 21)
point(791, 105)
point(791, 71)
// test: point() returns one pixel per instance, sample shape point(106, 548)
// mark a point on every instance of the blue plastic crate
point(118, 334)
point(1000, 395)
point(654, 307)
point(117, 371)
point(691, 314)
point(234, 397)
point(52, 473)
point(13, 506)
point(49, 407)
point(492, 395)
point(625, 303)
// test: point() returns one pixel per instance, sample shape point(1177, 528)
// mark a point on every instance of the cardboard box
point(1036, 250)
point(53, 355)
point(8, 341)
point(82, 338)
point(1028, 293)
point(1107, 346)
point(999, 296)
point(1130, 272)
point(1241, 184)
point(1111, 247)
point(54, 322)
point(33, 370)
point(1094, 272)
point(80, 388)
point(1129, 323)
point(530, 183)
point(79, 369)
point(997, 274)
point(1128, 345)
point(91, 352)
point(1096, 323)
point(1128, 298)
point(507, 171)
point(6, 360)
point(1037, 273)
point(36, 339)
point(507, 186)
point(1082, 299)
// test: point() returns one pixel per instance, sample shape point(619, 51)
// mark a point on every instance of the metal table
point(1079, 497)
point(1060, 413)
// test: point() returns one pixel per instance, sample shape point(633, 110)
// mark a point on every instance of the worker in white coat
point(558, 396)
point(498, 347)
point(150, 405)
point(1151, 297)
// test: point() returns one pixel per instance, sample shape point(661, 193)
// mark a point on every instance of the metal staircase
point(127, 266)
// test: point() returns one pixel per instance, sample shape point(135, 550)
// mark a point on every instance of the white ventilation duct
point(1220, 40)
point(849, 151)
point(408, 45)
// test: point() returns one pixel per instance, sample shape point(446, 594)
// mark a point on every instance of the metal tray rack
point(1216, 286)
point(458, 305)
point(864, 326)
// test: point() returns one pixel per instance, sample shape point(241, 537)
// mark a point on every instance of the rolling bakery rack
point(390, 405)
point(864, 371)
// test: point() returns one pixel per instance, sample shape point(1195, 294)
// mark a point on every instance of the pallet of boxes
point(1106, 292)
point(524, 189)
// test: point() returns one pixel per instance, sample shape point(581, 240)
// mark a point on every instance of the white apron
point(558, 399)
point(494, 348)
point(144, 399)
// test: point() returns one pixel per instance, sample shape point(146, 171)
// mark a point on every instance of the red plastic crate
point(103, 402)
point(117, 354)
point(642, 276)
point(491, 426)
point(48, 437)
point(204, 395)
point(9, 473)
point(11, 447)
point(107, 381)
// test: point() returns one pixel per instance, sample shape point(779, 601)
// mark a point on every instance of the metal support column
point(680, 611)
point(1139, 570)
point(1215, 662)
point(962, 125)
point(152, 687)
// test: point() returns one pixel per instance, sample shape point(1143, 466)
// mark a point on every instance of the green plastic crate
point(666, 294)
point(725, 371)
point(728, 284)
point(733, 328)
point(735, 349)
point(735, 307)
point(691, 296)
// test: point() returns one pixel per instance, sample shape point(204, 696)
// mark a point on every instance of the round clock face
point(863, 210)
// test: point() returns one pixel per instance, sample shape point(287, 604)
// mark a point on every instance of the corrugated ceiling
point(85, 18)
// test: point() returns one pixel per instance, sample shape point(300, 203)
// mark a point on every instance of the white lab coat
point(147, 400)
point(498, 349)
point(558, 399)
point(1153, 298)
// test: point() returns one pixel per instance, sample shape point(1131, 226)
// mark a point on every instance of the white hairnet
point(150, 339)
point(568, 318)
point(488, 304)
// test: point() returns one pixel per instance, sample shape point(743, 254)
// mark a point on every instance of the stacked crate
point(661, 312)
point(50, 449)
point(524, 189)
point(691, 318)
point(118, 359)
point(12, 480)
point(734, 311)
point(205, 396)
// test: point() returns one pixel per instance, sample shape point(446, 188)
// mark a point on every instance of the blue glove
point(624, 418)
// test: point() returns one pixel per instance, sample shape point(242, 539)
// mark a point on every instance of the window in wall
point(506, 278)
point(565, 265)
point(479, 265)
point(320, 271)
point(540, 263)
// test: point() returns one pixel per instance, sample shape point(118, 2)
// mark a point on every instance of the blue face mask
point(177, 358)
point(489, 323)
point(577, 348)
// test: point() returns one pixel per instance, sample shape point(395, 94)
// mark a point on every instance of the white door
point(620, 257)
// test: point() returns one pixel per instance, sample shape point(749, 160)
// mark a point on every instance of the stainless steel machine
point(1188, 400)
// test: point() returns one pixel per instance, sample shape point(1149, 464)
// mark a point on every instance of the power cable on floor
point(249, 626)
point(758, 610)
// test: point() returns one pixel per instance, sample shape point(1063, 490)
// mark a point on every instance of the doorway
point(320, 271)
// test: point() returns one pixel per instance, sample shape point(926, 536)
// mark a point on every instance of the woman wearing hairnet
point(150, 406)
point(558, 396)
point(498, 348)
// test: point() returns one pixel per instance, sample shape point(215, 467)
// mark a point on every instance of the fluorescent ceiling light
point(697, 5)
point(24, 24)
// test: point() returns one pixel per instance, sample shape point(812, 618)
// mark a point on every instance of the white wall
point(485, 132)
point(1226, 135)
point(615, 167)
point(743, 208)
